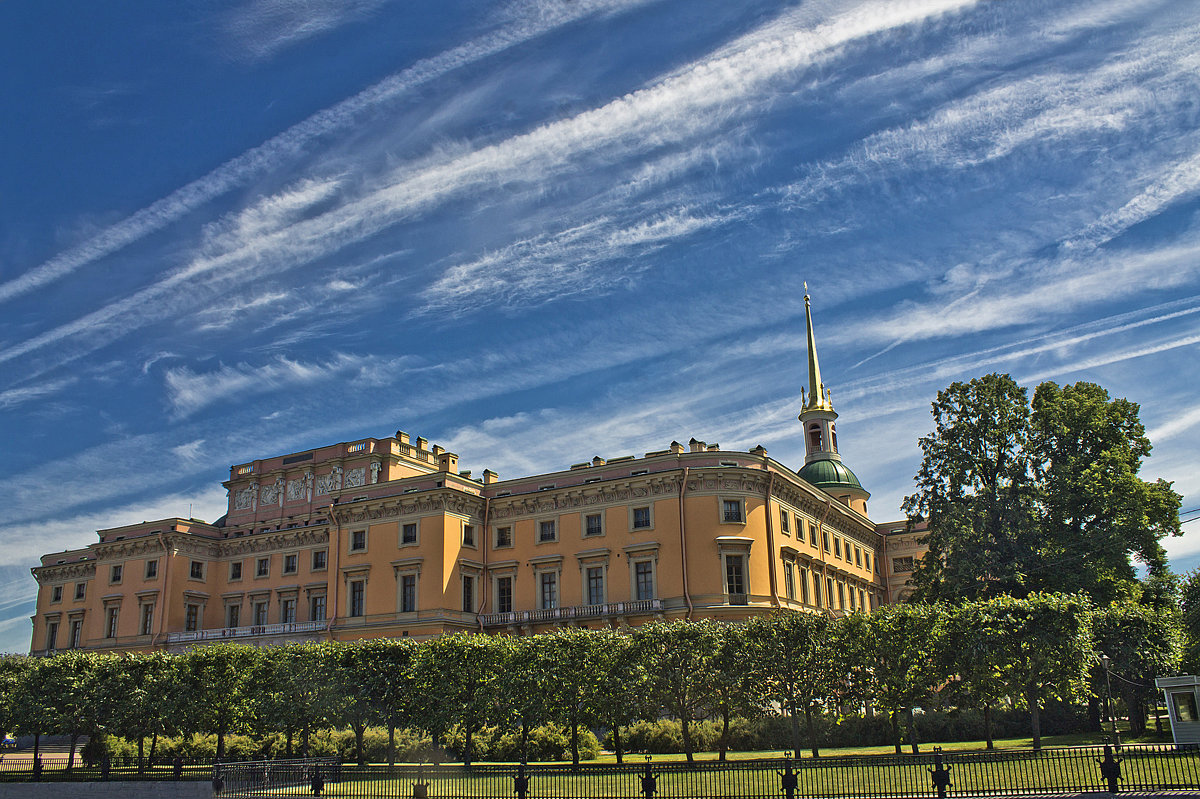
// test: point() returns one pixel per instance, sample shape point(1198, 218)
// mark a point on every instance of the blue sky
point(535, 231)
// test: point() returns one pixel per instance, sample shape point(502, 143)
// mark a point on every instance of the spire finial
point(818, 395)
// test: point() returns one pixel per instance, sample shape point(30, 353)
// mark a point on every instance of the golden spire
point(818, 396)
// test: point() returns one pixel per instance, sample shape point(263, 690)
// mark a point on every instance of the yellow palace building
point(387, 538)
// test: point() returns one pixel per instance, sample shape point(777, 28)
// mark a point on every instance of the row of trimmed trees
point(977, 654)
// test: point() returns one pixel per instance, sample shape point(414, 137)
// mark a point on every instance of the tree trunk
point(575, 737)
point(912, 732)
point(1094, 722)
point(391, 743)
point(616, 735)
point(37, 745)
point(141, 754)
point(467, 748)
point(895, 719)
point(524, 739)
point(795, 729)
point(153, 746)
point(287, 743)
point(687, 738)
point(724, 732)
point(220, 743)
point(304, 741)
point(812, 732)
point(987, 724)
point(1035, 721)
point(74, 742)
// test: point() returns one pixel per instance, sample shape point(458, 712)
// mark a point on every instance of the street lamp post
point(1104, 661)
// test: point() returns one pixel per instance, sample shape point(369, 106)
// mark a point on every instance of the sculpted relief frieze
point(272, 494)
point(465, 506)
point(297, 490)
point(245, 498)
point(328, 483)
point(603, 495)
point(356, 477)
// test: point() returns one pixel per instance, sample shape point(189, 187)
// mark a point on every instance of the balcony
point(632, 608)
point(253, 631)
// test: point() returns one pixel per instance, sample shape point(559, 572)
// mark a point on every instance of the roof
point(827, 474)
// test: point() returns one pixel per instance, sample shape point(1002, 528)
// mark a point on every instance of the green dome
point(828, 474)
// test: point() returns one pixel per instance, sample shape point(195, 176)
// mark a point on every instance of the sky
point(536, 231)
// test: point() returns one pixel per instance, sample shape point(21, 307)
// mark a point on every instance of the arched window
point(833, 436)
point(815, 441)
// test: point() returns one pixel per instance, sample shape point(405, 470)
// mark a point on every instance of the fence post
point(1110, 768)
point(521, 782)
point(788, 778)
point(940, 773)
point(318, 782)
point(649, 781)
point(177, 766)
point(106, 768)
point(420, 787)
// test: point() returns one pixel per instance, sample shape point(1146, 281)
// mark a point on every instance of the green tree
point(794, 655)
point(570, 668)
point(13, 669)
point(973, 657)
point(974, 491)
point(70, 687)
point(740, 691)
point(221, 693)
point(1189, 614)
point(680, 659)
point(293, 693)
point(1094, 509)
point(349, 683)
point(521, 697)
point(621, 693)
point(388, 683)
point(1142, 643)
point(136, 697)
point(456, 679)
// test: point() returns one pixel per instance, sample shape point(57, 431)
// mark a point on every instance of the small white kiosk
point(1182, 694)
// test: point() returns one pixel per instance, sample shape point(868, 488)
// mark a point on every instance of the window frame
point(634, 527)
point(354, 548)
point(497, 543)
point(586, 527)
point(737, 503)
point(324, 556)
point(405, 527)
point(262, 567)
point(197, 570)
point(116, 573)
point(151, 569)
point(294, 559)
point(542, 528)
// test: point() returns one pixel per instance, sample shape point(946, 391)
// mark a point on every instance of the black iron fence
point(1075, 769)
point(22, 766)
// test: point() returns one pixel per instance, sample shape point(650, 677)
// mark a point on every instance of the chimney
point(466, 473)
point(447, 461)
point(696, 445)
point(714, 447)
point(402, 436)
point(676, 448)
point(438, 449)
point(421, 443)
point(598, 461)
point(760, 451)
point(489, 477)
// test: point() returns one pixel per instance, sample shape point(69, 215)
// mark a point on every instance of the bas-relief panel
point(328, 483)
point(356, 477)
point(272, 494)
point(244, 497)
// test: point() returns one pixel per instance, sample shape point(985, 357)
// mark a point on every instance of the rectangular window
point(816, 591)
point(358, 595)
point(56, 594)
point(408, 593)
point(468, 535)
point(546, 530)
point(643, 573)
point(593, 524)
point(110, 623)
point(804, 585)
point(51, 635)
point(826, 541)
point(902, 565)
point(316, 608)
point(235, 570)
point(262, 567)
point(197, 570)
point(114, 574)
point(789, 580)
point(841, 596)
point(260, 613)
point(829, 591)
point(857, 556)
point(504, 595)
point(287, 611)
point(731, 510)
point(735, 579)
point(146, 625)
point(233, 615)
point(867, 560)
point(549, 583)
point(862, 600)
point(785, 520)
point(291, 564)
point(468, 605)
point(641, 518)
point(319, 560)
point(358, 541)
point(408, 533)
point(76, 636)
point(151, 569)
point(837, 547)
point(595, 585)
point(504, 537)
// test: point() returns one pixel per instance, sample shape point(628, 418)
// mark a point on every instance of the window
point(504, 594)
point(799, 529)
point(814, 437)
point(468, 596)
point(80, 590)
point(549, 584)
point(358, 541)
point(841, 596)
point(731, 510)
point(233, 615)
point(837, 547)
point(857, 556)
point(804, 585)
point(826, 541)
point(735, 579)
point(816, 591)
point(316, 608)
point(902, 565)
point(197, 570)
point(235, 570)
point(546, 531)
point(287, 611)
point(829, 591)
point(785, 521)
point(593, 524)
point(291, 564)
point(260, 613)
point(595, 585)
point(114, 574)
point(56, 594)
point(468, 535)
point(641, 518)
point(110, 622)
point(408, 533)
point(262, 567)
point(408, 593)
point(319, 559)
point(147, 626)
point(358, 592)
point(504, 537)
point(76, 634)
point(862, 600)
point(789, 580)
point(643, 574)
point(867, 560)
point(51, 635)
point(151, 569)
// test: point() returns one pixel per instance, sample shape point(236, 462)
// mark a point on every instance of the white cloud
point(13, 397)
point(262, 28)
